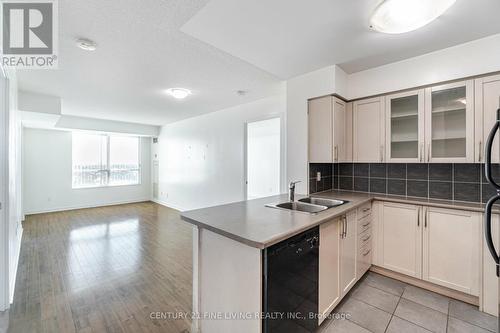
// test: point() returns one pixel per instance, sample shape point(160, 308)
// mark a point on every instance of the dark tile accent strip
point(417, 171)
point(361, 184)
point(417, 188)
point(461, 182)
point(441, 171)
point(440, 190)
point(396, 170)
point(396, 187)
point(466, 192)
point(378, 170)
point(378, 185)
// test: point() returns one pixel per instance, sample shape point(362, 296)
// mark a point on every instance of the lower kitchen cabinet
point(329, 266)
point(399, 242)
point(451, 249)
point(441, 246)
point(337, 261)
point(348, 251)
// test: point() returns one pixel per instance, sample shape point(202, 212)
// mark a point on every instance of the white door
point(368, 129)
point(263, 163)
point(400, 238)
point(348, 252)
point(487, 91)
point(405, 127)
point(329, 267)
point(449, 123)
point(451, 249)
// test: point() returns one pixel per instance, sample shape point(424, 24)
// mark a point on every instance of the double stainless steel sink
point(309, 205)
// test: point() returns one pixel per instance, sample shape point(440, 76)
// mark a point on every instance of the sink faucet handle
point(292, 184)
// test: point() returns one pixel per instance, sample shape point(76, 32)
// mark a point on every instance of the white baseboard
point(164, 203)
point(111, 203)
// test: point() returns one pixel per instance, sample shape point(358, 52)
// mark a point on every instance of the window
point(105, 160)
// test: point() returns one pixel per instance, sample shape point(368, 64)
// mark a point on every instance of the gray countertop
point(256, 225)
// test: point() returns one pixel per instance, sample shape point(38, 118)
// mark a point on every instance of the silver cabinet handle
point(367, 238)
point(366, 253)
point(381, 153)
point(426, 217)
point(343, 228)
point(345, 219)
point(480, 151)
point(421, 152)
point(428, 152)
point(336, 153)
point(418, 217)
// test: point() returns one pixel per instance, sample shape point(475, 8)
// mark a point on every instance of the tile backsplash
point(462, 182)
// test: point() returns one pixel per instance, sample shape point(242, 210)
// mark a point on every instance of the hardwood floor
point(104, 270)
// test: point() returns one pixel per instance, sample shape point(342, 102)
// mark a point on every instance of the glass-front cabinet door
point(449, 120)
point(405, 127)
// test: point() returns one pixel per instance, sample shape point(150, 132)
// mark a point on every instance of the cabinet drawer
point(364, 210)
point(364, 258)
point(364, 224)
point(364, 237)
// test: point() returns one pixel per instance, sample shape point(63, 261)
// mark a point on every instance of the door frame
point(4, 192)
point(282, 150)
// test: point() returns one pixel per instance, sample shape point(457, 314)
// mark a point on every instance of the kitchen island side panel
point(228, 286)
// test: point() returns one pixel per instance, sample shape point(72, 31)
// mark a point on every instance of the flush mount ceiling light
point(86, 44)
point(179, 93)
point(400, 16)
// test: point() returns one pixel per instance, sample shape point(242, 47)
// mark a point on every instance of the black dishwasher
point(290, 284)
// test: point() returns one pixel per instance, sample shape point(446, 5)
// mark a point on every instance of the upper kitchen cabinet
point(369, 130)
point(487, 102)
point(405, 127)
point(449, 123)
point(330, 130)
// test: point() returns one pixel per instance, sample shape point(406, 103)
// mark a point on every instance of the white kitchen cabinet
point(451, 249)
point(330, 124)
point(487, 102)
point(400, 238)
point(329, 267)
point(405, 127)
point(449, 123)
point(369, 130)
point(348, 252)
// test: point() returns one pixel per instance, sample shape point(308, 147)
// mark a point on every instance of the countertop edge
point(221, 232)
point(373, 197)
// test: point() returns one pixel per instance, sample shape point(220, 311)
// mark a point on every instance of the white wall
point(299, 90)
point(34, 102)
point(47, 175)
point(201, 159)
point(473, 58)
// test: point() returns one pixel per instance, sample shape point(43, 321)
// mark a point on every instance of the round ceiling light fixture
point(400, 16)
point(86, 44)
point(179, 93)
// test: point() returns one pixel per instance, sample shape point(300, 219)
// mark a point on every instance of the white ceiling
point(140, 53)
point(291, 37)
